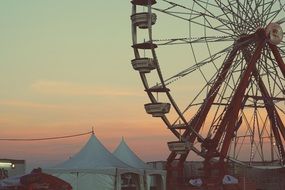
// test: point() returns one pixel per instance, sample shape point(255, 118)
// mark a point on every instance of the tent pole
point(116, 180)
point(76, 180)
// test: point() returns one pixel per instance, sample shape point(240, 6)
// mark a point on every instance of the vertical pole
point(77, 180)
point(243, 181)
point(272, 144)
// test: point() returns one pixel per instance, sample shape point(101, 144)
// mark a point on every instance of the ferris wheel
point(214, 73)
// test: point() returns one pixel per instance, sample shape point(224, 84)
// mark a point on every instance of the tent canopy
point(156, 178)
point(93, 158)
point(95, 167)
point(125, 154)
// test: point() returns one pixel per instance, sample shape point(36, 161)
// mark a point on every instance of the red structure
point(238, 49)
point(37, 180)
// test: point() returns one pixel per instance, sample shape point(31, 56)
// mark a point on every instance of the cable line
point(47, 138)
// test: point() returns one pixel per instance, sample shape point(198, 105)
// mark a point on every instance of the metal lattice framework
point(219, 83)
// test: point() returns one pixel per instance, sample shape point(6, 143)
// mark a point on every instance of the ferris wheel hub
point(274, 33)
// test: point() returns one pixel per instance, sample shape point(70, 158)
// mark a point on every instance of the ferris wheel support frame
point(197, 121)
point(278, 58)
point(228, 124)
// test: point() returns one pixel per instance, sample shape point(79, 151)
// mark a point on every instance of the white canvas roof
point(93, 158)
point(125, 154)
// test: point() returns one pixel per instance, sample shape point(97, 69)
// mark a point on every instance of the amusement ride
point(214, 73)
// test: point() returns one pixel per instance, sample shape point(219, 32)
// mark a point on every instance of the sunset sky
point(65, 67)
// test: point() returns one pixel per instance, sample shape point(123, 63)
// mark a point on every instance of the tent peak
point(126, 154)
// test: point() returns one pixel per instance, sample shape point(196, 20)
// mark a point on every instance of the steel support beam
point(278, 58)
point(231, 115)
point(275, 120)
point(228, 122)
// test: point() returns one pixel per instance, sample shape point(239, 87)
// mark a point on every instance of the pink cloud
point(75, 89)
point(28, 104)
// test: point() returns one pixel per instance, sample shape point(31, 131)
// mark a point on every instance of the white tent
point(94, 167)
point(153, 177)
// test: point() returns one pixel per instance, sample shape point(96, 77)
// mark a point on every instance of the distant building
point(9, 167)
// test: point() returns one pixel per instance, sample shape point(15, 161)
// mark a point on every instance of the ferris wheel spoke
point(196, 20)
point(224, 22)
point(257, 12)
point(265, 133)
point(259, 126)
point(237, 17)
point(193, 16)
point(280, 109)
point(193, 40)
point(207, 3)
point(196, 66)
point(262, 14)
point(253, 7)
point(251, 133)
point(272, 73)
point(181, 15)
point(267, 8)
point(237, 67)
point(228, 85)
point(277, 88)
point(269, 13)
point(281, 21)
point(277, 13)
point(176, 9)
point(229, 9)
